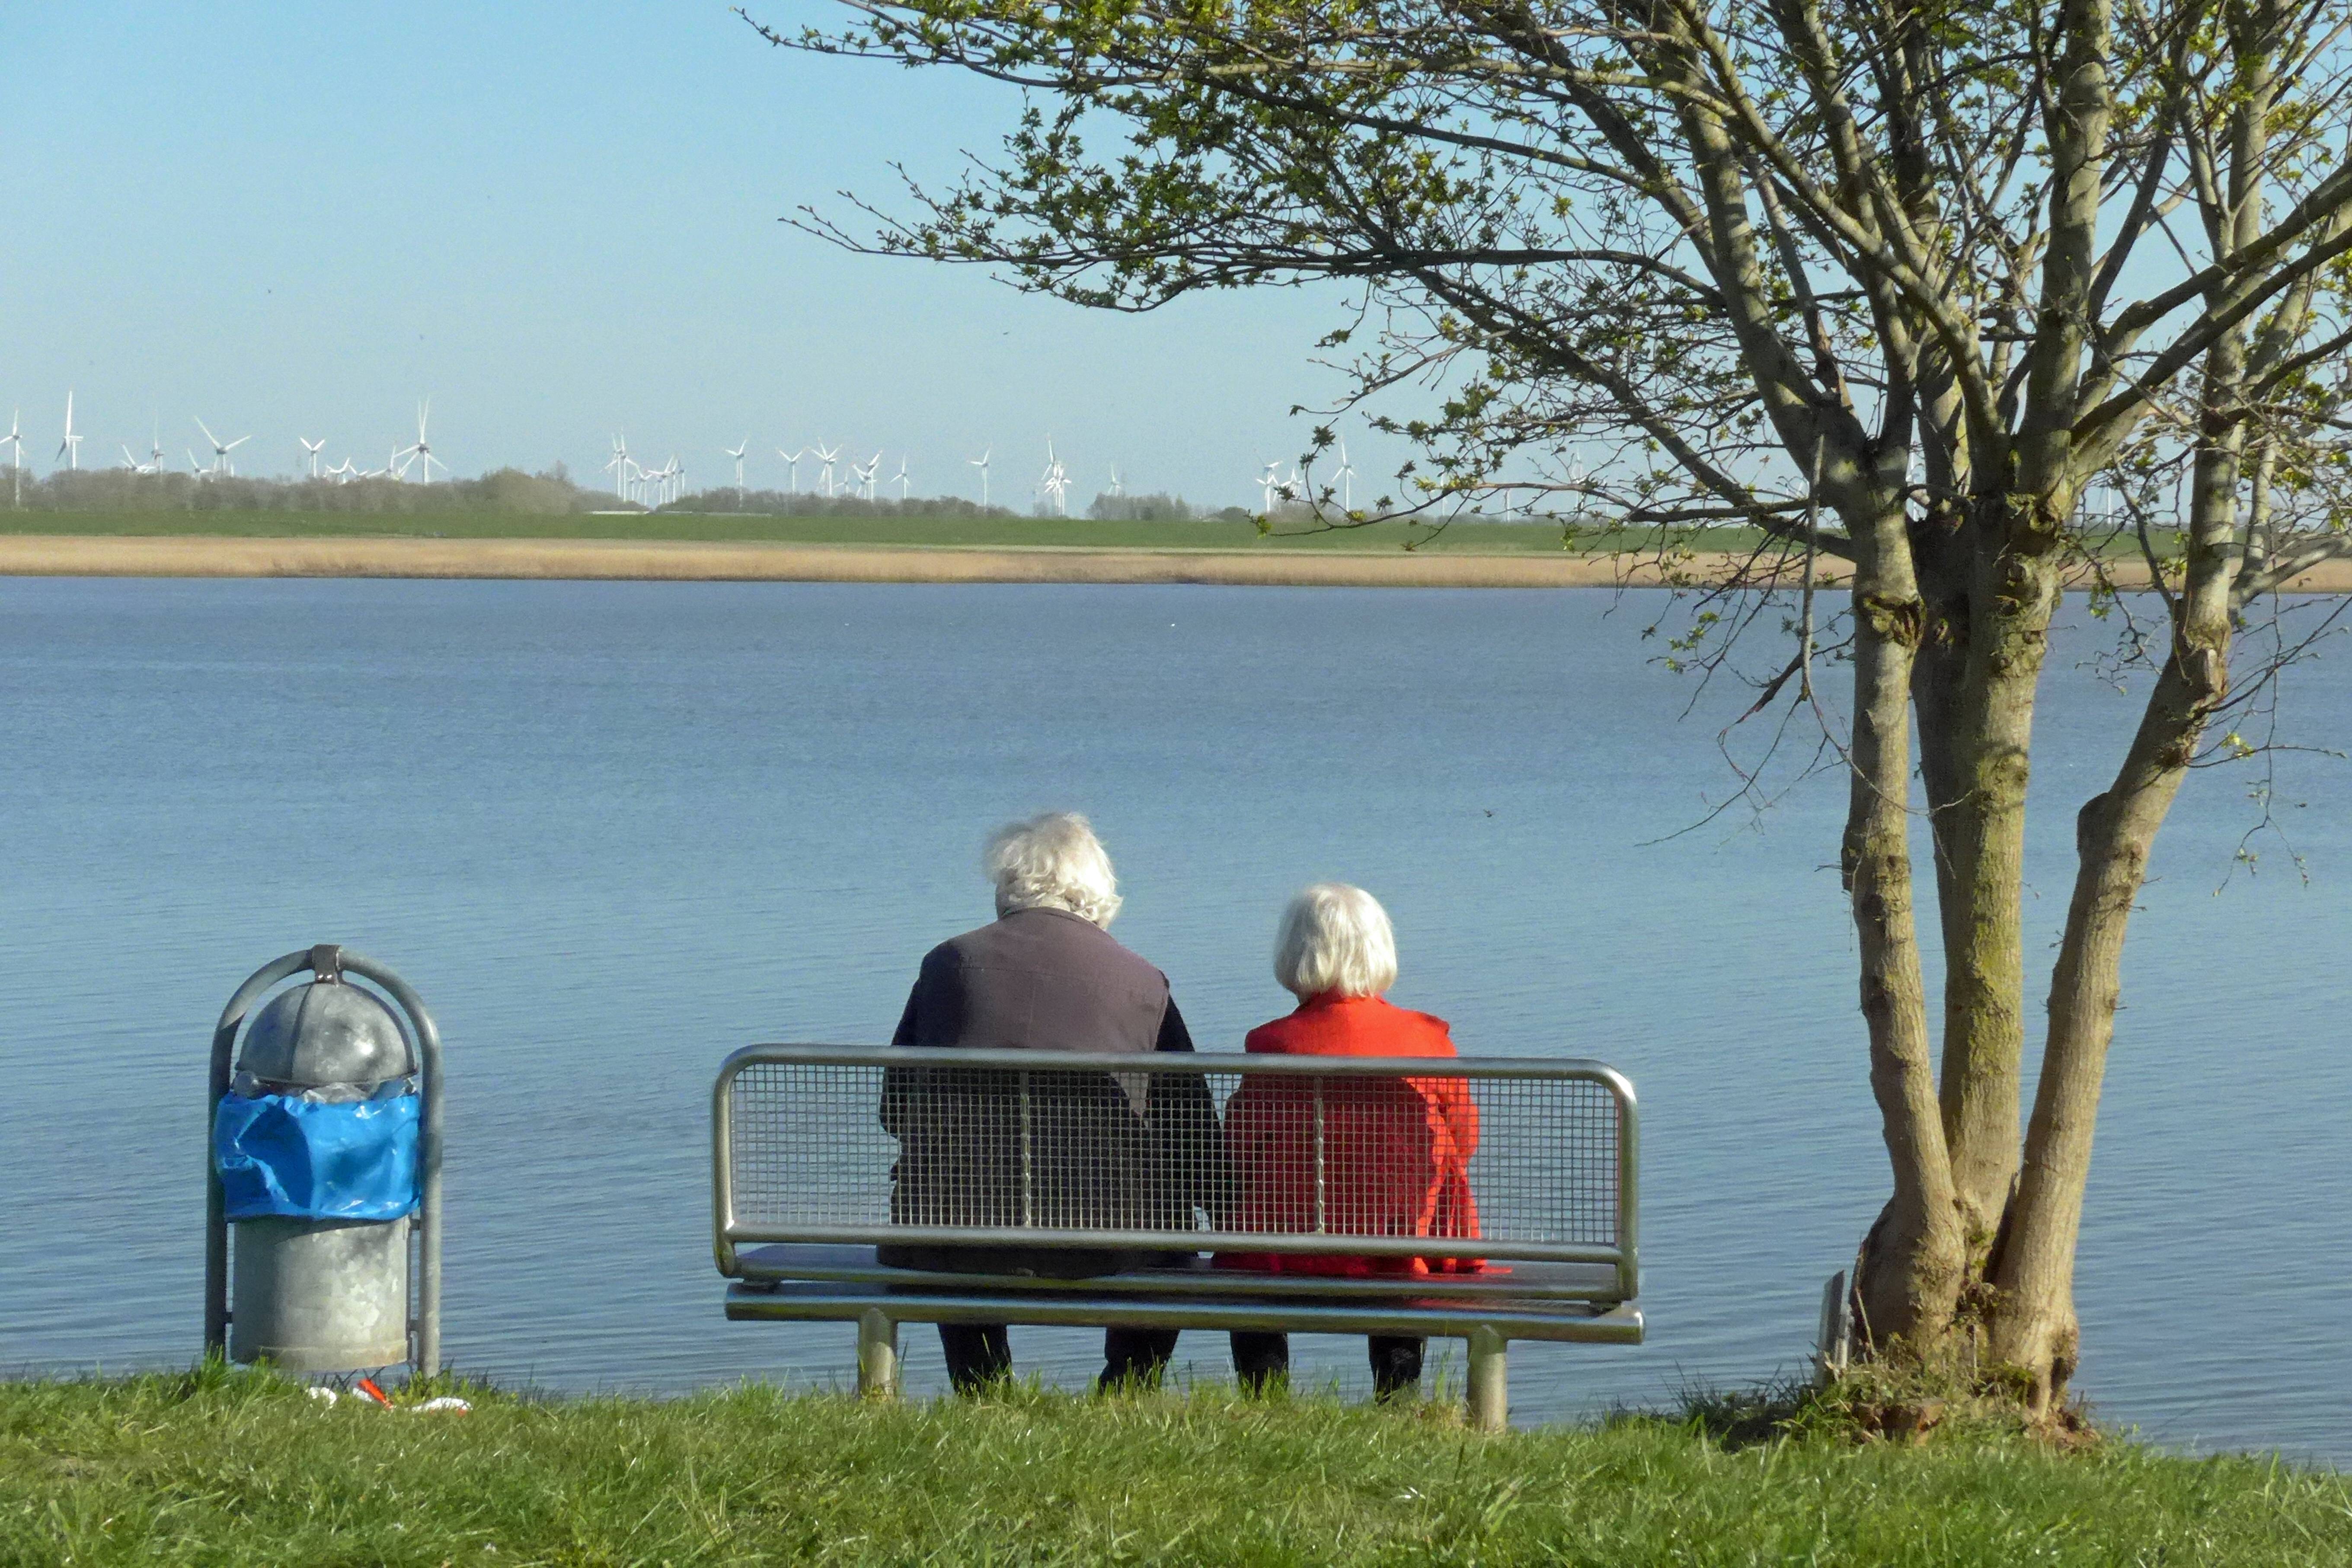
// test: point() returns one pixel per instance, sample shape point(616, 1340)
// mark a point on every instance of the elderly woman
point(1089, 1149)
point(1396, 1151)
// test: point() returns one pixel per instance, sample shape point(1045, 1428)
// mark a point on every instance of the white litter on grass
point(445, 1405)
point(434, 1407)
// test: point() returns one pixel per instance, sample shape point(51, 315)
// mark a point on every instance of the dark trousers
point(1259, 1358)
point(980, 1353)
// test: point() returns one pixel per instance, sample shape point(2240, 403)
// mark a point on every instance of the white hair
point(1335, 938)
point(1052, 862)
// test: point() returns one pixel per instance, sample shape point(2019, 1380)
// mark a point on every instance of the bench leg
point(877, 1355)
point(1490, 1397)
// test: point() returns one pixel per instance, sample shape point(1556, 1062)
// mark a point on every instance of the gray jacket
point(1132, 1149)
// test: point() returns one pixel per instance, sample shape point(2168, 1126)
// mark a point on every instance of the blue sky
point(560, 222)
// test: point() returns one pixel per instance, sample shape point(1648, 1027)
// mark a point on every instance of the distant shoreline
point(197, 555)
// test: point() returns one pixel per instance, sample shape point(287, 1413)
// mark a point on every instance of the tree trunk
point(1909, 1280)
point(2033, 1325)
point(1939, 692)
point(1973, 680)
point(2010, 600)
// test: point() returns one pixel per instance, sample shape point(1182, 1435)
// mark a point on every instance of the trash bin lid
point(325, 1032)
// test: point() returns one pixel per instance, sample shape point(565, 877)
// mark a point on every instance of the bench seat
point(1428, 1317)
point(835, 1263)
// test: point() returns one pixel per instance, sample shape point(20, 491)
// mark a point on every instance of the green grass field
point(1030, 531)
point(220, 1467)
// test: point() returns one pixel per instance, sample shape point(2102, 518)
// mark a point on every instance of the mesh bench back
point(1235, 1154)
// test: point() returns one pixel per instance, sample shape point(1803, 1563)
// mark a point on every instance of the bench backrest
point(1462, 1158)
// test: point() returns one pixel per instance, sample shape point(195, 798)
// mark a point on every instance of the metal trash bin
point(325, 1165)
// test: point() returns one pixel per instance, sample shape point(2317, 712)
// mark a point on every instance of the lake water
point(613, 831)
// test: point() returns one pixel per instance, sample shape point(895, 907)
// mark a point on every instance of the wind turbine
point(863, 474)
point(900, 479)
point(156, 449)
point(1347, 477)
point(620, 468)
point(1270, 482)
point(421, 452)
point(70, 448)
point(129, 461)
point(1118, 487)
point(1055, 481)
point(15, 439)
point(221, 462)
point(738, 455)
point(794, 461)
point(197, 466)
point(313, 448)
point(828, 456)
point(980, 463)
point(660, 486)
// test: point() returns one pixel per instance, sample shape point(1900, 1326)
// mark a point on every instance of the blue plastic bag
point(281, 1156)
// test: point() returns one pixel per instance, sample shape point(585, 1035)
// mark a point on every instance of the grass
point(1016, 531)
point(218, 1467)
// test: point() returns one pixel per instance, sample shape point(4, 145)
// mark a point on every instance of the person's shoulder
point(1105, 948)
point(1426, 1029)
point(1295, 1033)
point(1422, 1020)
point(956, 950)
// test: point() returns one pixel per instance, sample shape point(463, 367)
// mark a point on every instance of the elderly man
point(1089, 1149)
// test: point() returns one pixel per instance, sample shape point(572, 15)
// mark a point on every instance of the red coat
point(1396, 1152)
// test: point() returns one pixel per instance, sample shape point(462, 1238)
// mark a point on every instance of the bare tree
point(1892, 284)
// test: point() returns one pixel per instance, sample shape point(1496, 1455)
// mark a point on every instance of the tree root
point(1877, 1401)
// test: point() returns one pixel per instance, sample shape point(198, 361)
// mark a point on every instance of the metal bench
point(827, 1160)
